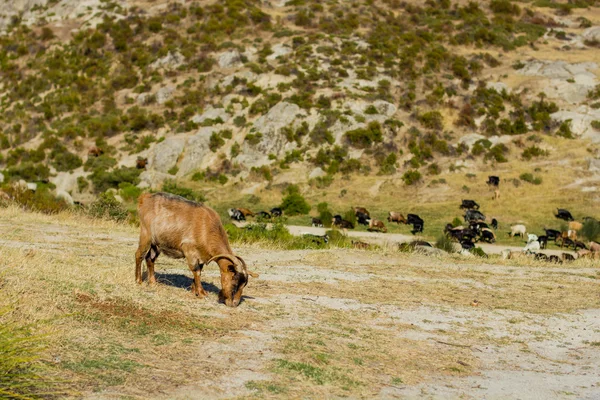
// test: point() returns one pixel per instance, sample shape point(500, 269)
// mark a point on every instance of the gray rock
point(212, 113)
point(163, 94)
point(170, 61)
point(281, 115)
point(153, 179)
point(165, 154)
point(581, 121)
point(144, 99)
point(470, 139)
point(593, 164)
point(196, 151)
point(316, 173)
point(61, 194)
point(279, 50)
point(230, 59)
point(32, 186)
point(592, 34)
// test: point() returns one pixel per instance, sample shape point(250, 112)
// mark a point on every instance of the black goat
point(316, 222)
point(276, 212)
point(552, 234)
point(562, 213)
point(494, 223)
point(469, 204)
point(493, 180)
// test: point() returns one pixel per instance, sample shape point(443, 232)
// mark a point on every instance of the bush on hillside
point(294, 203)
point(591, 230)
point(170, 186)
point(107, 207)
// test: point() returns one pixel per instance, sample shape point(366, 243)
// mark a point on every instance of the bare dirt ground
point(316, 324)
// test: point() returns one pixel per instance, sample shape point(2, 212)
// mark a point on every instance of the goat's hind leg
point(140, 254)
point(151, 257)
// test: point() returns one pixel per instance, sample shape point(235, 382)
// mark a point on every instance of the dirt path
point(316, 324)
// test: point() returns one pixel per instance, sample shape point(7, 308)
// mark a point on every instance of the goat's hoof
point(138, 281)
point(152, 281)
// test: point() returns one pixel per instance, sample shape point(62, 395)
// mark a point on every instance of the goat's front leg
point(195, 265)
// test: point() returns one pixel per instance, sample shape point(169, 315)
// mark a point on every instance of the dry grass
point(323, 323)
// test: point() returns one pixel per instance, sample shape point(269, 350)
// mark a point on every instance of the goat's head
point(234, 278)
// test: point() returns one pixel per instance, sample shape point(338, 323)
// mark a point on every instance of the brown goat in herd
point(180, 228)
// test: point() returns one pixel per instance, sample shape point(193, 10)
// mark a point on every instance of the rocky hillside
point(255, 94)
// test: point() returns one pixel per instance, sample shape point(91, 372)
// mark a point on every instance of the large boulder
point(272, 142)
point(581, 121)
point(165, 154)
point(61, 194)
point(212, 113)
point(163, 94)
point(278, 51)
point(229, 59)
point(153, 179)
point(562, 80)
point(170, 61)
point(196, 151)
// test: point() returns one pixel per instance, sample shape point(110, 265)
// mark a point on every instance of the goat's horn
point(252, 274)
point(227, 256)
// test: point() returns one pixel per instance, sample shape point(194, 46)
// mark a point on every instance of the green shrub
point(42, 199)
point(596, 124)
point(564, 130)
point(129, 192)
point(533, 151)
point(28, 171)
point(432, 120)
point(107, 207)
point(365, 137)
point(591, 230)
point(388, 165)
point(443, 242)
point(527, 177)
point(64, 160)
point(325, 215)
point(82, 184)
point(411, 177)
point(215, 142)
point(104, 180)
point(294, 203)
point(170, 186)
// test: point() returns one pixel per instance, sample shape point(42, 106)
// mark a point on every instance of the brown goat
point(396, 217)
point(575, 226)
point(95, 151)
point(141, 163)
point(184, 229)
point(360, 245)
point(376, 225)
point(361, 210)
point(247, 213)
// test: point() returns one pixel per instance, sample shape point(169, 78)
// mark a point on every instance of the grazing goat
point(518, 229)
point(575, 226)
point(494, 223)
point(579, 245)
point(473, 215)
point(594, 247)
point(236, 214)
point(317, 223)
point(338, 222)
point(561, 213)
point(95, 151)
point(396, 217)
point(487, 235)
point(361, 210)
point(496, 195)
point(552, 234)
point(263, 215)
point(276, 212)
point(362, 218)
point(531, 246)
point(141, 163)
point(469, 204)
point(416, 221)
point(543, 242)
point(376, 225)
point(554, 259)
point(567, 257)
point(180, 228)
point(493, 180)
point(245, 212)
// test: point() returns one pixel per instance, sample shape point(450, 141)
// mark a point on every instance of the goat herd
point(475, 228)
